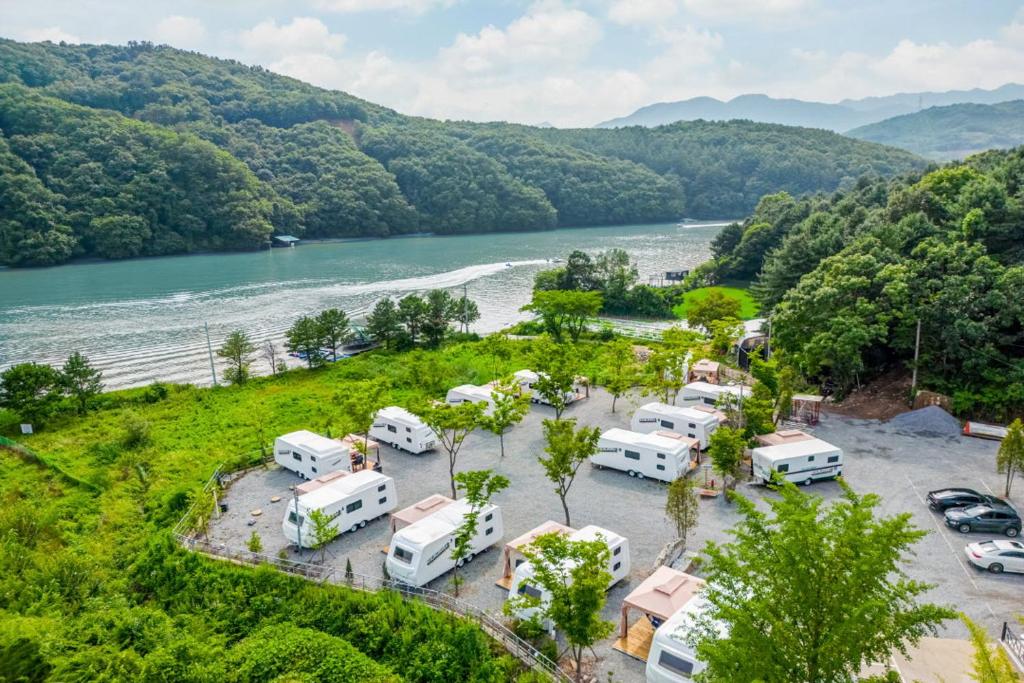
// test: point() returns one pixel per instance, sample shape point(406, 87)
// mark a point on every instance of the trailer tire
point(964, 528)
point(362, 524)
point(1012, 532)
point(995, 568)
point(631, 473)
point(639, 475)
point(807, 481)
point(469, 557)
point(460, 562)
point(352, 529)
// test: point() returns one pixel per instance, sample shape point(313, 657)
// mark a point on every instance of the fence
point(1014, 645)
point(516, 646)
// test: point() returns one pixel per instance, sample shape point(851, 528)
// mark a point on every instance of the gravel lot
point(889, 460)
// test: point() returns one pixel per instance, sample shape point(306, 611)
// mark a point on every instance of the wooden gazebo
point(659, 596)
point(806, 408)
point(512, 554)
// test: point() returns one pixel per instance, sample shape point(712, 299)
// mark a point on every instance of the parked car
point(993, 517)
point(997, 556)
point(944, 499)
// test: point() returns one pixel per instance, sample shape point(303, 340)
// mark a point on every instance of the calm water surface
point(142, 320)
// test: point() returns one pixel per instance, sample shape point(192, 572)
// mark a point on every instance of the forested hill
point(138, 177)
point(847, 277)
point(952, 132)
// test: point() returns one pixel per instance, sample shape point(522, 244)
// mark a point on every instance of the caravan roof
point(591, 533)
point(340, 488)
point(526, 375)
point(312, 442)
point(484, 392)
point(795, 449)
point(782, 437)
point(734, 389)
point(400, 415)
point(666, 441)
point(437, 525)
point(694, 413)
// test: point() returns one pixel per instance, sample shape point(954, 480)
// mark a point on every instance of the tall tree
point(452, 424)
point(323, 531)
point(682, 507)
point(510, 407)
point(555, 365)
point(439, 313)
point(412, 311)
point(359, 403)
point(574, 574)
point(1010, 457)
point(725, 447)
point(237, 350)
point(565, 311)
point(620, 369)
point(808, 594)
point(466, 312)
point(498, 347)
point(30, 390)
point(713, 307)
point(80, 381)
point(478, 487)
point(567, 449)
point(305, 338)
point(384, 323)
point(991, 663)
point(335, 329)
point(758, 411)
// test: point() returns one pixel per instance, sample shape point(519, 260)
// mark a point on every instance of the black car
point(993, 518)
point(944, 499)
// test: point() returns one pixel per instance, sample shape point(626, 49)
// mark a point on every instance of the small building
point(283, 240)
point(657, 598)
point(705, 370)
point(806, 408)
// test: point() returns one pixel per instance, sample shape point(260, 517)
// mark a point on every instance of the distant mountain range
point(951, 132)
point(841, 117)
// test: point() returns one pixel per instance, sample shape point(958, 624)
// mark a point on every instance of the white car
point(997, 556)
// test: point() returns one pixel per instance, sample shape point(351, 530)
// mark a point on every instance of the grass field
point(748, 307)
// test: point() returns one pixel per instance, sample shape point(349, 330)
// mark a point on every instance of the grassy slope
point(748, 307)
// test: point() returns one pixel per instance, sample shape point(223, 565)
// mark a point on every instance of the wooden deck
point(504, 582)
point(637, 642)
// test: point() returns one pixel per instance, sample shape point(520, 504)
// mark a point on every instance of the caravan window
point(408, 439)
point(353, 506)
point(617, 550)
point(668, 425)
point(314, 470)
point(381, 501)
point(675, 664)
point(782, 468)
point(709, 401)
point(661, 456)
point(693, 426)
point(407, 430)
point(297, 456)
point(527, 589)
point(291, 518)
point(661, 467)
point(381, 487)
point(692, 435)
point(489, 531)
point(632, 455)
point(402, 555)
point(489, 517)
point(833, 458)
point(312, 458)
point(810, 458)
point(393, 429)
point(616, 567)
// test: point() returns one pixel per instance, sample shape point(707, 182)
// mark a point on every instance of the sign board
point(26, 429)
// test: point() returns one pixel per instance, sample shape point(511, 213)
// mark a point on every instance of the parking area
point(899, 465)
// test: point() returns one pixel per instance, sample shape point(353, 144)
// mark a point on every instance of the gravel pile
point(932, 421)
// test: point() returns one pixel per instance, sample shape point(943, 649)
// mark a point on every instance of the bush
point(136, 433)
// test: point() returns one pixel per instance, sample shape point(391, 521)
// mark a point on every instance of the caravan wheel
point(469, 558)
point(460, 562)
point(362, 524)
point(631, 473)
point(352, 529)
point(639, 475)
point(807, 481)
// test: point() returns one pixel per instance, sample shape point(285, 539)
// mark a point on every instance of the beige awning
point(517, 544)
point(660, 595)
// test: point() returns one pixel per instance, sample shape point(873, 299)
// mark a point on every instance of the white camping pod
point(310, 455)
point(528, 378)
point(422, 551)
point(618, 567)
point(403, 430)
point(695, 421)
point(710, 394)
point(802, 461)
point(664, 456)
point(473, 394)
point(349, 502)
point(672, 659)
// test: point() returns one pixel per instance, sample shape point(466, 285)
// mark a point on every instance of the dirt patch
point(347, 125)
point(881, 399)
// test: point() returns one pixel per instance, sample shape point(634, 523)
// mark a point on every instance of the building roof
point(705, 365)
point(418, 511)
point(285, 238)
point(592, 532)
point(342, 488)
point(796, 449)
point(526, 375)
point(401, 415)
point(315, 443)
point(717, 389)
point(664, 441)
point(782, 436)
point(809, 398)
point(664, 592)
point(693, 413)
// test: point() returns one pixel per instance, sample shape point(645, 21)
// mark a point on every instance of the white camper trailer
point(802, 461)
point(709, 394)
point(671, 658)
point(473, 394)
point(349, 502)
point(665, 456)
point(694, 421)
point(618, 567)
point(422, 551)
point(403, 430)
point(310, 455)
point(528, 378)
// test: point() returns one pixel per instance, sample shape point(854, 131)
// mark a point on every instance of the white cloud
point(630, 12)
point(179, 31)
point(304, 35)
point(352, 6)
point(741, 10)
point(54, 34)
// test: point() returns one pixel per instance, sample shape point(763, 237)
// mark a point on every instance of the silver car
point(997, 556)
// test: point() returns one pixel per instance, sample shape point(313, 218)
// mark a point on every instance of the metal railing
point(1014, 644)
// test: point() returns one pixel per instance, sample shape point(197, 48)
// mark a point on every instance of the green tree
point(478, 486)
point(725, 447)
point(359, 403)
point(620, 369)
point(412, 311)
point(713, 307)
point(305, 338)
point(724, 334)
point(1010, 457)
point(80, 381)
point(452, 424)
point(323, 533)
point(30, 390)
point(567, 449)
point(510, 407)
point(574, 574)
point(438, 316)
point(237, 350)
point(466, 312)
point(758, 410)
point(565, 312)
point(255, 543)
point(991, 663)
point(498, 347)
point(384, 323)
point(854, 605)
point(682, 507)
point(335, 329)
point(555, 365)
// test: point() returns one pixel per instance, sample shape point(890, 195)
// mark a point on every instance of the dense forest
point(847, 278)
point(322, 163)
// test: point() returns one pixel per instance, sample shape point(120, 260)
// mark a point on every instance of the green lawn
point(748, 307)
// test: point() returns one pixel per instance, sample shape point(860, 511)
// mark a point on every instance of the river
point(142, 320)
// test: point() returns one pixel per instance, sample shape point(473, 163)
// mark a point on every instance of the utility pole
point(917, 352)
point(209, 349)
point(465, 302)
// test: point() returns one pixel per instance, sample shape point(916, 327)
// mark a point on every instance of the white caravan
point(473, 394)
point(665, 456)
point(694, 421)
point(310, 455)
point(709, 394)
point(802, 461)
point(422, 551)
point(618, 568)
point(349, 502)
point(403, 430)
point(671, 658)
point(528, 378)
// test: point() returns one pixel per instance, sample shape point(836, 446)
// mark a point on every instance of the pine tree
point(80, 381)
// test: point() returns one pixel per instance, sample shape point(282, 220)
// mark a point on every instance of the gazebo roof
point(662, 593)
point(418, 511)
point(547, 527)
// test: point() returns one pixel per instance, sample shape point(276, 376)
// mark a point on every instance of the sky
point(568, 62)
